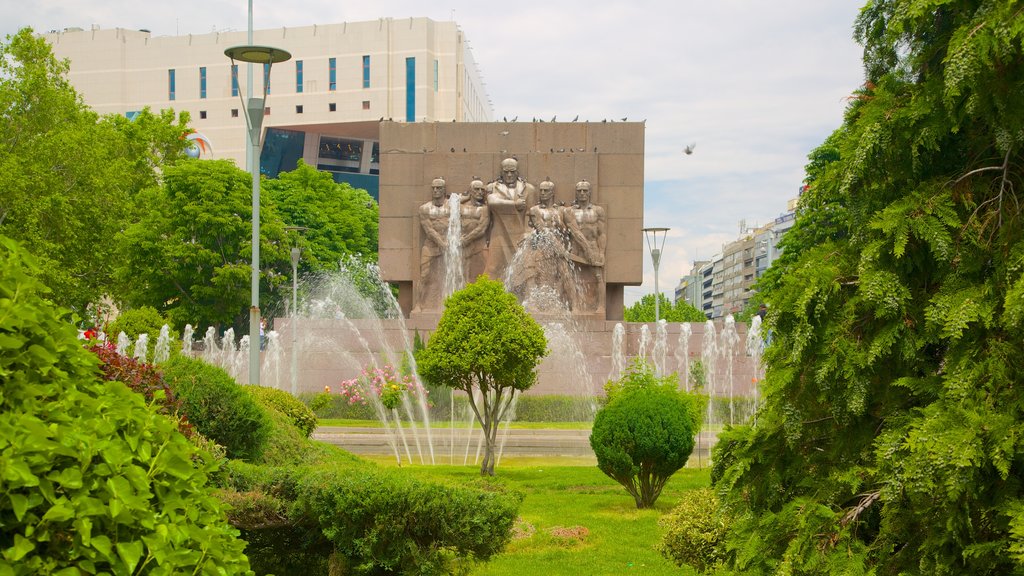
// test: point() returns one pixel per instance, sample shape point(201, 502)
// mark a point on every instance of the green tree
point(645, 433)
point(189, 255)
point(487, 346)
point(340, 221)
point(94, 480)
point(69, 177)
point(643, 311)
point(890, 438)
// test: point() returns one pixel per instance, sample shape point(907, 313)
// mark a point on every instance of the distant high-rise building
point(324, 104)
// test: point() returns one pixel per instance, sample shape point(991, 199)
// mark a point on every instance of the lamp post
point(253, 111)
point(296, 254)
point(655, 247)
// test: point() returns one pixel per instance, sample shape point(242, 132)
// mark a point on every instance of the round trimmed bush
point(644, 435)
point(94, 480)
point(143, 320)
point(695, 531)
point(218, 407)
point(296, 411)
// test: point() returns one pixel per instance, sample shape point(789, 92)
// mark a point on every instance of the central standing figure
point(508, 198)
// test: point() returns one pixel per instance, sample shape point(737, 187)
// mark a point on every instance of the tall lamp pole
point(253, 110)
point(296, 254)
point(655, 246)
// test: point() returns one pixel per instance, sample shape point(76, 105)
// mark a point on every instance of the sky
point(755, 85)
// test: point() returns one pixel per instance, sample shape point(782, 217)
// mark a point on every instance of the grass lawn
point(562, 497)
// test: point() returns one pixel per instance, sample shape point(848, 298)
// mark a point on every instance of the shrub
point(555, 408)
point(94, 481)
point(143, 379)
point(378, 519)
point(337, 406)
point(220, 409)
point(144, 320)
point(301, 416)
point(645, 433)
point(695, 531)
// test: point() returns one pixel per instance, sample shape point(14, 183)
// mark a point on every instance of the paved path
point(517, 442)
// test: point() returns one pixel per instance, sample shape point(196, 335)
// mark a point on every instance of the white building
point(324, 104)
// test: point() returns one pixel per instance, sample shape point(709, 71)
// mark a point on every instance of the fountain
point(682, 353)
point(618, 351)
point(755, 349)
point(728, 349)
point(163, 345)
point(660, 347)
point(123, 343)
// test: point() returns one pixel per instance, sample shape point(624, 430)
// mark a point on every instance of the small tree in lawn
point(645, 433)
point(487, 346)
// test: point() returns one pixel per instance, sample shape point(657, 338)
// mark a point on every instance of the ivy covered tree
point(189, 254)
point(891, 440)
point(643, 311)
point(487, 346)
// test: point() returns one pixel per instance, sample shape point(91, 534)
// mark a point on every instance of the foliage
point(555, 408)
point(93, 480)
point(300, 415)
point(143, 379)
point(380, 519)
point(889, 441)
point(143, 320)
point(645, 433)
point(385, 384)
point(327, 405)
point(487, 346)
point(70, 178)
point(217, 407)
point(698, 374)
point(189, 255)
point(694, 532)
point(340, 221)
point(643, 311)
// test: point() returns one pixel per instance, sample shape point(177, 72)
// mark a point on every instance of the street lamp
point(253, 111)
point(296, 254)
point(655, 247)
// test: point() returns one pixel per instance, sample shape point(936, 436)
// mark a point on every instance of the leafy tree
point(340, 221)
point(643, 311)
point(94, 480)
point(189, 255)
point(890, 438)
point(69, 177)
point(645, 433)
point(487, 346)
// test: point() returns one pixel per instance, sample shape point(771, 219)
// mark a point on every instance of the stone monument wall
point(609, 156)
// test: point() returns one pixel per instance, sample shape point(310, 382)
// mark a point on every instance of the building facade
point(324, 105)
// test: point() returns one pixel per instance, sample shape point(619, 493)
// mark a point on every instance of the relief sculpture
point(550, 255)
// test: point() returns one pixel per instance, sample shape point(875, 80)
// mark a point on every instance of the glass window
point(234, 79)
point(170, 84)
point(366, 71)
point(341, 149)
point(202, 81)
point(435, 75)
point(266, 76)
point(410, 89)
point(332, 73)
point(298, 76)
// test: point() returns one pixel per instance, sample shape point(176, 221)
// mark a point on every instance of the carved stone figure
point(476, 218)
point(586, 225)
point(508, 198)
point(434, 216)
point(543, 279)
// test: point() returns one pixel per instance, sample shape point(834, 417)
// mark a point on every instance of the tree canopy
point(890, 440)
point(69, 177)
point(188, 256)
point(487, 346)
point(643, 311)
point(340, 221)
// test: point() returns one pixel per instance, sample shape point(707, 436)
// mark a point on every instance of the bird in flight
point(689, 149)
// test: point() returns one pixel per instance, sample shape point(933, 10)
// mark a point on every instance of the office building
point(324, 104)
